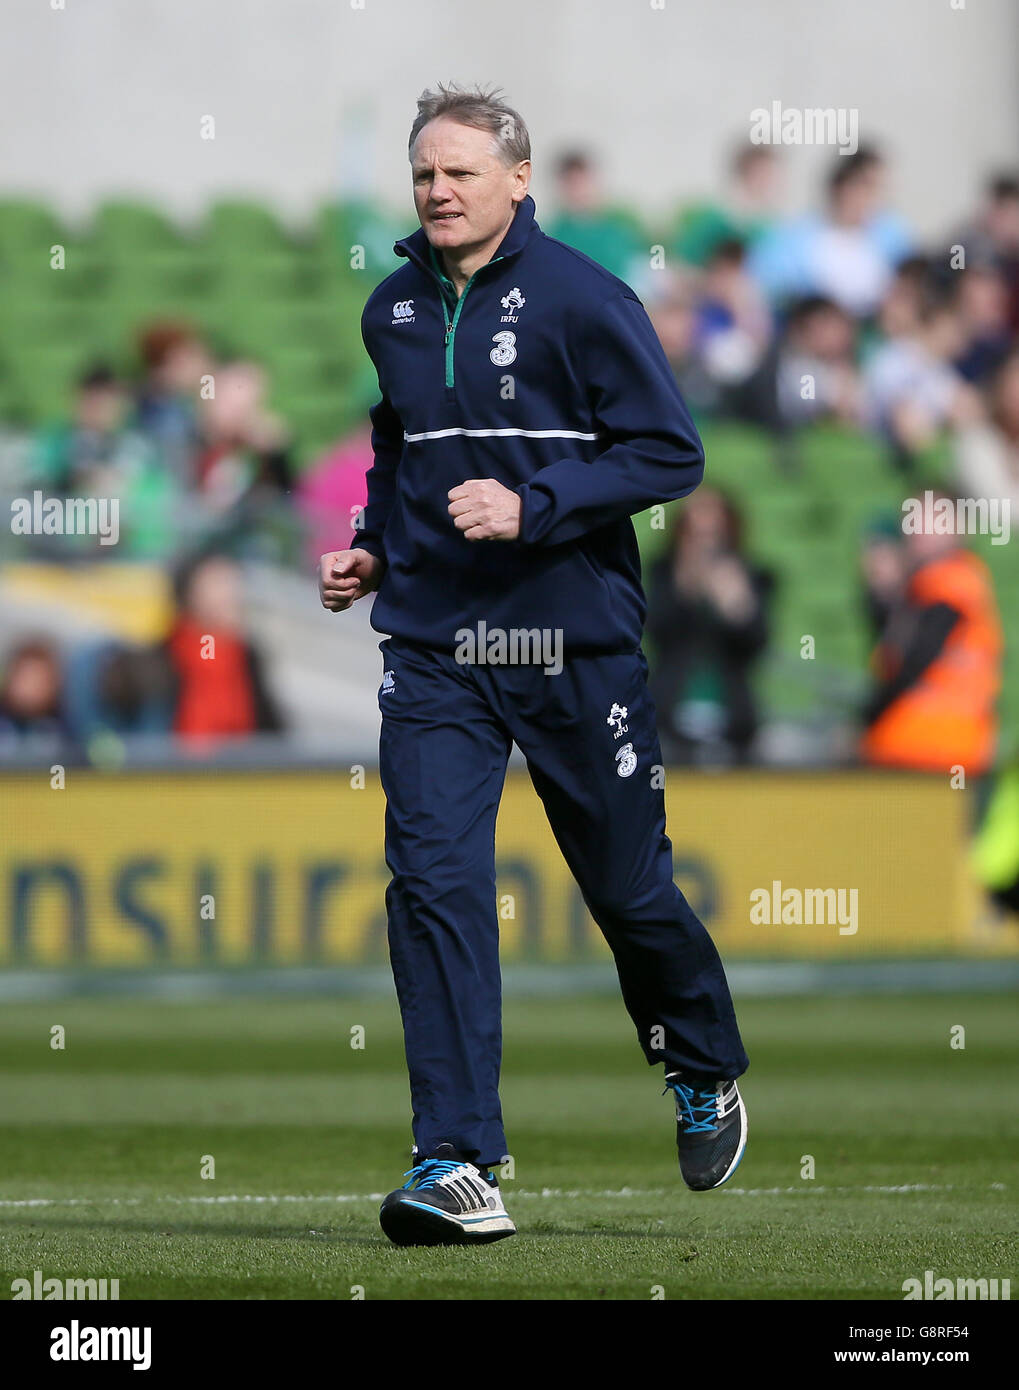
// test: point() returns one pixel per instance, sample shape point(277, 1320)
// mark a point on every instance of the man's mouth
point(445, 216)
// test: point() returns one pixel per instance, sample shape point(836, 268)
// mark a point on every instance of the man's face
point(830, 335)
point(857, 199)
point(758, 178)
point(101, 408)
point(1003, 224)
point(674, 322)
point(463, 193)
point(578, 189)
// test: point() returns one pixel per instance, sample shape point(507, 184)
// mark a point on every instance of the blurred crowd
point(933, 617)
point(188, 447)
point(202, 683)
point(840, 315)
point(204, 475)
point(781, 322)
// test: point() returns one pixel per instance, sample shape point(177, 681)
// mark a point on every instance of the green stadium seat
point(263, 325)
point(340, 226)
point(41, 379)
point(119, 226)
point(29, 273)
point(236, 224)
point(269, 274)
point(27, 226)
point(162, 276)
point(37, 324)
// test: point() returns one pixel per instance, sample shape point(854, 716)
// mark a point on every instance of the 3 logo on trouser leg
point(627, 760)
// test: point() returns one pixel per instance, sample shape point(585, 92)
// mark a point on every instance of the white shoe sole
point(418, 1223)
point(744, 1131)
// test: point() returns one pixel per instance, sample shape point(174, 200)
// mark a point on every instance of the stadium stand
point(291, 301)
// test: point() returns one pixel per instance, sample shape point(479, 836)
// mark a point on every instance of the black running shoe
point(711, 1130)
point(447, 1201)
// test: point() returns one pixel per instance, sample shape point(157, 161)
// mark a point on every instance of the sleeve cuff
point(534, 507)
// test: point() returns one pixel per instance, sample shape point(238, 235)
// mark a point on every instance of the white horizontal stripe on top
point(496, 434)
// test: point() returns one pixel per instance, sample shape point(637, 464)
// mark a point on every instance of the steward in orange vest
point(938, 666)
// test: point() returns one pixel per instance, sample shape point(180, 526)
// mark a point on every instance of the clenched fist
point(484, 510)
point(346, 575)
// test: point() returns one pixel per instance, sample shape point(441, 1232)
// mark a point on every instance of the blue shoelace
point(428, 1172)
point(691, 1102)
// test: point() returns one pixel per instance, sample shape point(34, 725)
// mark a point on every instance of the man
point(938, 661)
point(527, 412)
point(585, 221)
point(745, 212)
point(847, 253)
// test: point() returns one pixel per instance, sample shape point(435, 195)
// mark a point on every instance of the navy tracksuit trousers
point(447, 731)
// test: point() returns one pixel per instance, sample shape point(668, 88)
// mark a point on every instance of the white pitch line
point(808, 1189)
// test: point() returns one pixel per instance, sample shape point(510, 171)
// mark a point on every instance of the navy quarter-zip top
point(546, 375)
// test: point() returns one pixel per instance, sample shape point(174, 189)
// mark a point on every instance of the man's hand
point(346, 575)
point(484, 510)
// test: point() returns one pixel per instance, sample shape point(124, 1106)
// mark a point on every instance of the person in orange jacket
point(937, 664)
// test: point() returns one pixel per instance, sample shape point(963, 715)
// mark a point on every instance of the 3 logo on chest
point(505, 350)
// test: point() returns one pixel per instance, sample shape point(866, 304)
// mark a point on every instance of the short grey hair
point(480, 109)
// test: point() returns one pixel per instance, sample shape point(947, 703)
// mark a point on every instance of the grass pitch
point(102, 1145)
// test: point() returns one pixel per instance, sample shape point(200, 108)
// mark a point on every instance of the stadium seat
point(235, 224)
point(121, 227)
point(26, 226)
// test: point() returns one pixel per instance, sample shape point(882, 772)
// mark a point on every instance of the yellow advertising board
point(288, 867)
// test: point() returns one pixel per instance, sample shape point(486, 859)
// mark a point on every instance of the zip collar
point(416, 247)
